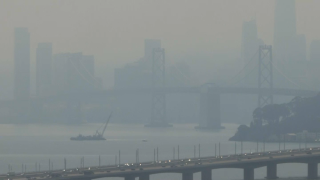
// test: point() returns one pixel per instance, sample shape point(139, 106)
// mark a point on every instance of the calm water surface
point(30, 144)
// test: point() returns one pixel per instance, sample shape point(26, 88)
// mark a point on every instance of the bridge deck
point(102, 95)
point(254, 160)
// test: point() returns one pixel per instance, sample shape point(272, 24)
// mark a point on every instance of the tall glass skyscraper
point(284, 28)
point(289, 48)
point(44, 68)
point(249, 52)
point(21, 63)
point(285, 19)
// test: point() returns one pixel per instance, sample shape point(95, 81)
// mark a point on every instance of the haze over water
point(30, 144)
point(66, 65)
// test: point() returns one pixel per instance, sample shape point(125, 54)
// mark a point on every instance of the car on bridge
point(10, 174)
point(88, 172)
point(55, 175)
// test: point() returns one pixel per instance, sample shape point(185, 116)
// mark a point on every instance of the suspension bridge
point(209, 117)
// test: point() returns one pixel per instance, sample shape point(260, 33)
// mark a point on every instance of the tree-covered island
point(273, 122)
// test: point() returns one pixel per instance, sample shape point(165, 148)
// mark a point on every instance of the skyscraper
point(149, 45)
point(139, 73)
point(313, 73)
point(250, 46)
point(87, 69)
point(60, 72)
point(315, 51)
point(21, 63)
point(289, 48)
point(43, 68)
point(284, 27)
point(285, 20)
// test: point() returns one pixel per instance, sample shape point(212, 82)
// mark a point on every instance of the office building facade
point(43, 69)
point(21, 63)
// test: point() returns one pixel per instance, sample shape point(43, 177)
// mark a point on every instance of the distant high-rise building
point(149, 45)
point(87, 68)
point(250, 43)
point(295, 67)
point(315, 51)
point(289, 52)
point(284, 28)
point(60, 72)
point(313, 72)
point(43, 68)
point(134, 75)
point(285, 19)
point(21, 63)
point(298, 48)
point(250, 56)
point(137, 74)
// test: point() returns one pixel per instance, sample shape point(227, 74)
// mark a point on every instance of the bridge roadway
point(103, 95)
point(205, 165)
point(183, 90)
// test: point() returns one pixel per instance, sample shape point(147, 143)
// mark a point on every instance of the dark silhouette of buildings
point(43, 69)
point(21, 63)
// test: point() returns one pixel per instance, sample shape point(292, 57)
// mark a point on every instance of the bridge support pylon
point(144, 177)
point(272, 171)
point(248, 173)
point(187, 176)
point(206, 174)
point(209, 117)
point(312, 170)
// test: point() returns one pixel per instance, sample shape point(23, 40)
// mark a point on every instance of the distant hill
point(276, 119)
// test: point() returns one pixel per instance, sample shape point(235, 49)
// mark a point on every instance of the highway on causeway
point(173, 166)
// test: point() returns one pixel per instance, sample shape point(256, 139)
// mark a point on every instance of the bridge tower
point(265, 81)
point(158, 106)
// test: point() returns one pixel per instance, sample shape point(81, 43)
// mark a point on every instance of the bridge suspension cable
point(244, 77)
point(242, 70)
point(94, 79)
point(287, 78)
point(81, 75)
point(181, 73)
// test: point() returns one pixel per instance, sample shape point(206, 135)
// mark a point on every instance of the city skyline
point(250, 38)
point(203, 45)
point(202, 90)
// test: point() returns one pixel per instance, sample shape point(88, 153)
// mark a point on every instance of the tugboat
point(96, 137)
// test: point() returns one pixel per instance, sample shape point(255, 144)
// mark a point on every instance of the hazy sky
point(114, 30)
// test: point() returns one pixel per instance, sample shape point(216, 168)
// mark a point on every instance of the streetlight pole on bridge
point(215, 150)
point(178, 153)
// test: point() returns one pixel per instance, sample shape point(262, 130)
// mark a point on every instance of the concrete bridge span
point(187, 167)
